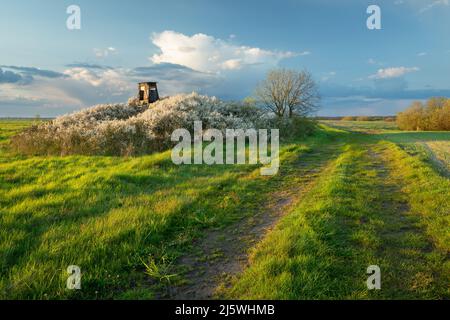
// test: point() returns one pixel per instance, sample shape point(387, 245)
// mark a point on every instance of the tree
point(412, 117)
point(433, 116)
point(288, 92)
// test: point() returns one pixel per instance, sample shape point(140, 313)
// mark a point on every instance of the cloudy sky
point(221, 48)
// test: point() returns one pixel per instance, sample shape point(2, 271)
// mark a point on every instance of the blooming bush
point(181, 111)
point(126, 129)
point(118, 137)
point(101, 112)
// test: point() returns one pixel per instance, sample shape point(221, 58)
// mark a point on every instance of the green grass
point(432, 146)
point(362, 126)
point(441, 150)
point(126, 221)
point(376, 205)
point(122, 220)
point(10, 127)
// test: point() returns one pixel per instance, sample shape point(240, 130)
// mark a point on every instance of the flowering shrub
point(126, 129)
point(181, 111)
point(101, 112)
point(118, 137)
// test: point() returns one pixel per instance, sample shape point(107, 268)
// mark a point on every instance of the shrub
point(129, 129)
point(119, 137)
point(348, 118)
point(433, 116)
point(121, 129)
point(102, 112)
point(133, 101)
point(363, 118)
point(182, 110)
point(295, 127)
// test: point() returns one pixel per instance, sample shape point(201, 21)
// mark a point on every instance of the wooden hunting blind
point(148, 92)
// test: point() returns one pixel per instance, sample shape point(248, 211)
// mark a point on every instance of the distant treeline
point(24, 118)
point(359, 118)
point(434, 115)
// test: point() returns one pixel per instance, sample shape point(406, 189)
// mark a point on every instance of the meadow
point(352, 195)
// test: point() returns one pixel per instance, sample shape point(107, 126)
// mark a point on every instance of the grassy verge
point(428, 193)
point(441, 150)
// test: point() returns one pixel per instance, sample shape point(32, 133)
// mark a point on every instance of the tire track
point(405, 249)
point(224, 253)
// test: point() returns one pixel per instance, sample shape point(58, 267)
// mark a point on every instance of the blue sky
point(221, 48)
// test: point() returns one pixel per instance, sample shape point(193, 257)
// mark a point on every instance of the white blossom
point(133, 128)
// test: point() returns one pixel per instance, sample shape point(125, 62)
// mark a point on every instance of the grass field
point(355, 194)
point(9, 128)
point(362, 126)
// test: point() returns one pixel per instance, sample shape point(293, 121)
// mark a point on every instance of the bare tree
point(287, 93)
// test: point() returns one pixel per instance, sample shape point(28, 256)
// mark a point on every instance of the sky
point(222, 48)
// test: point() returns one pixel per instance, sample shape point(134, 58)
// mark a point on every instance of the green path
point(415, 264)
point(223, 253)
point(366, 210)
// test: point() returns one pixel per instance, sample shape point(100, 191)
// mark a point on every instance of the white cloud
point(45, 93)
point(113, 80)
point(79, 87)
point(205, 53)
point(435, 4)
point(373, 61)
point(102, 53)
point(82, 85)
point(184, 64)
point(328, 76)
point(422, 54)
point(84, 74)
point(394, 72)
